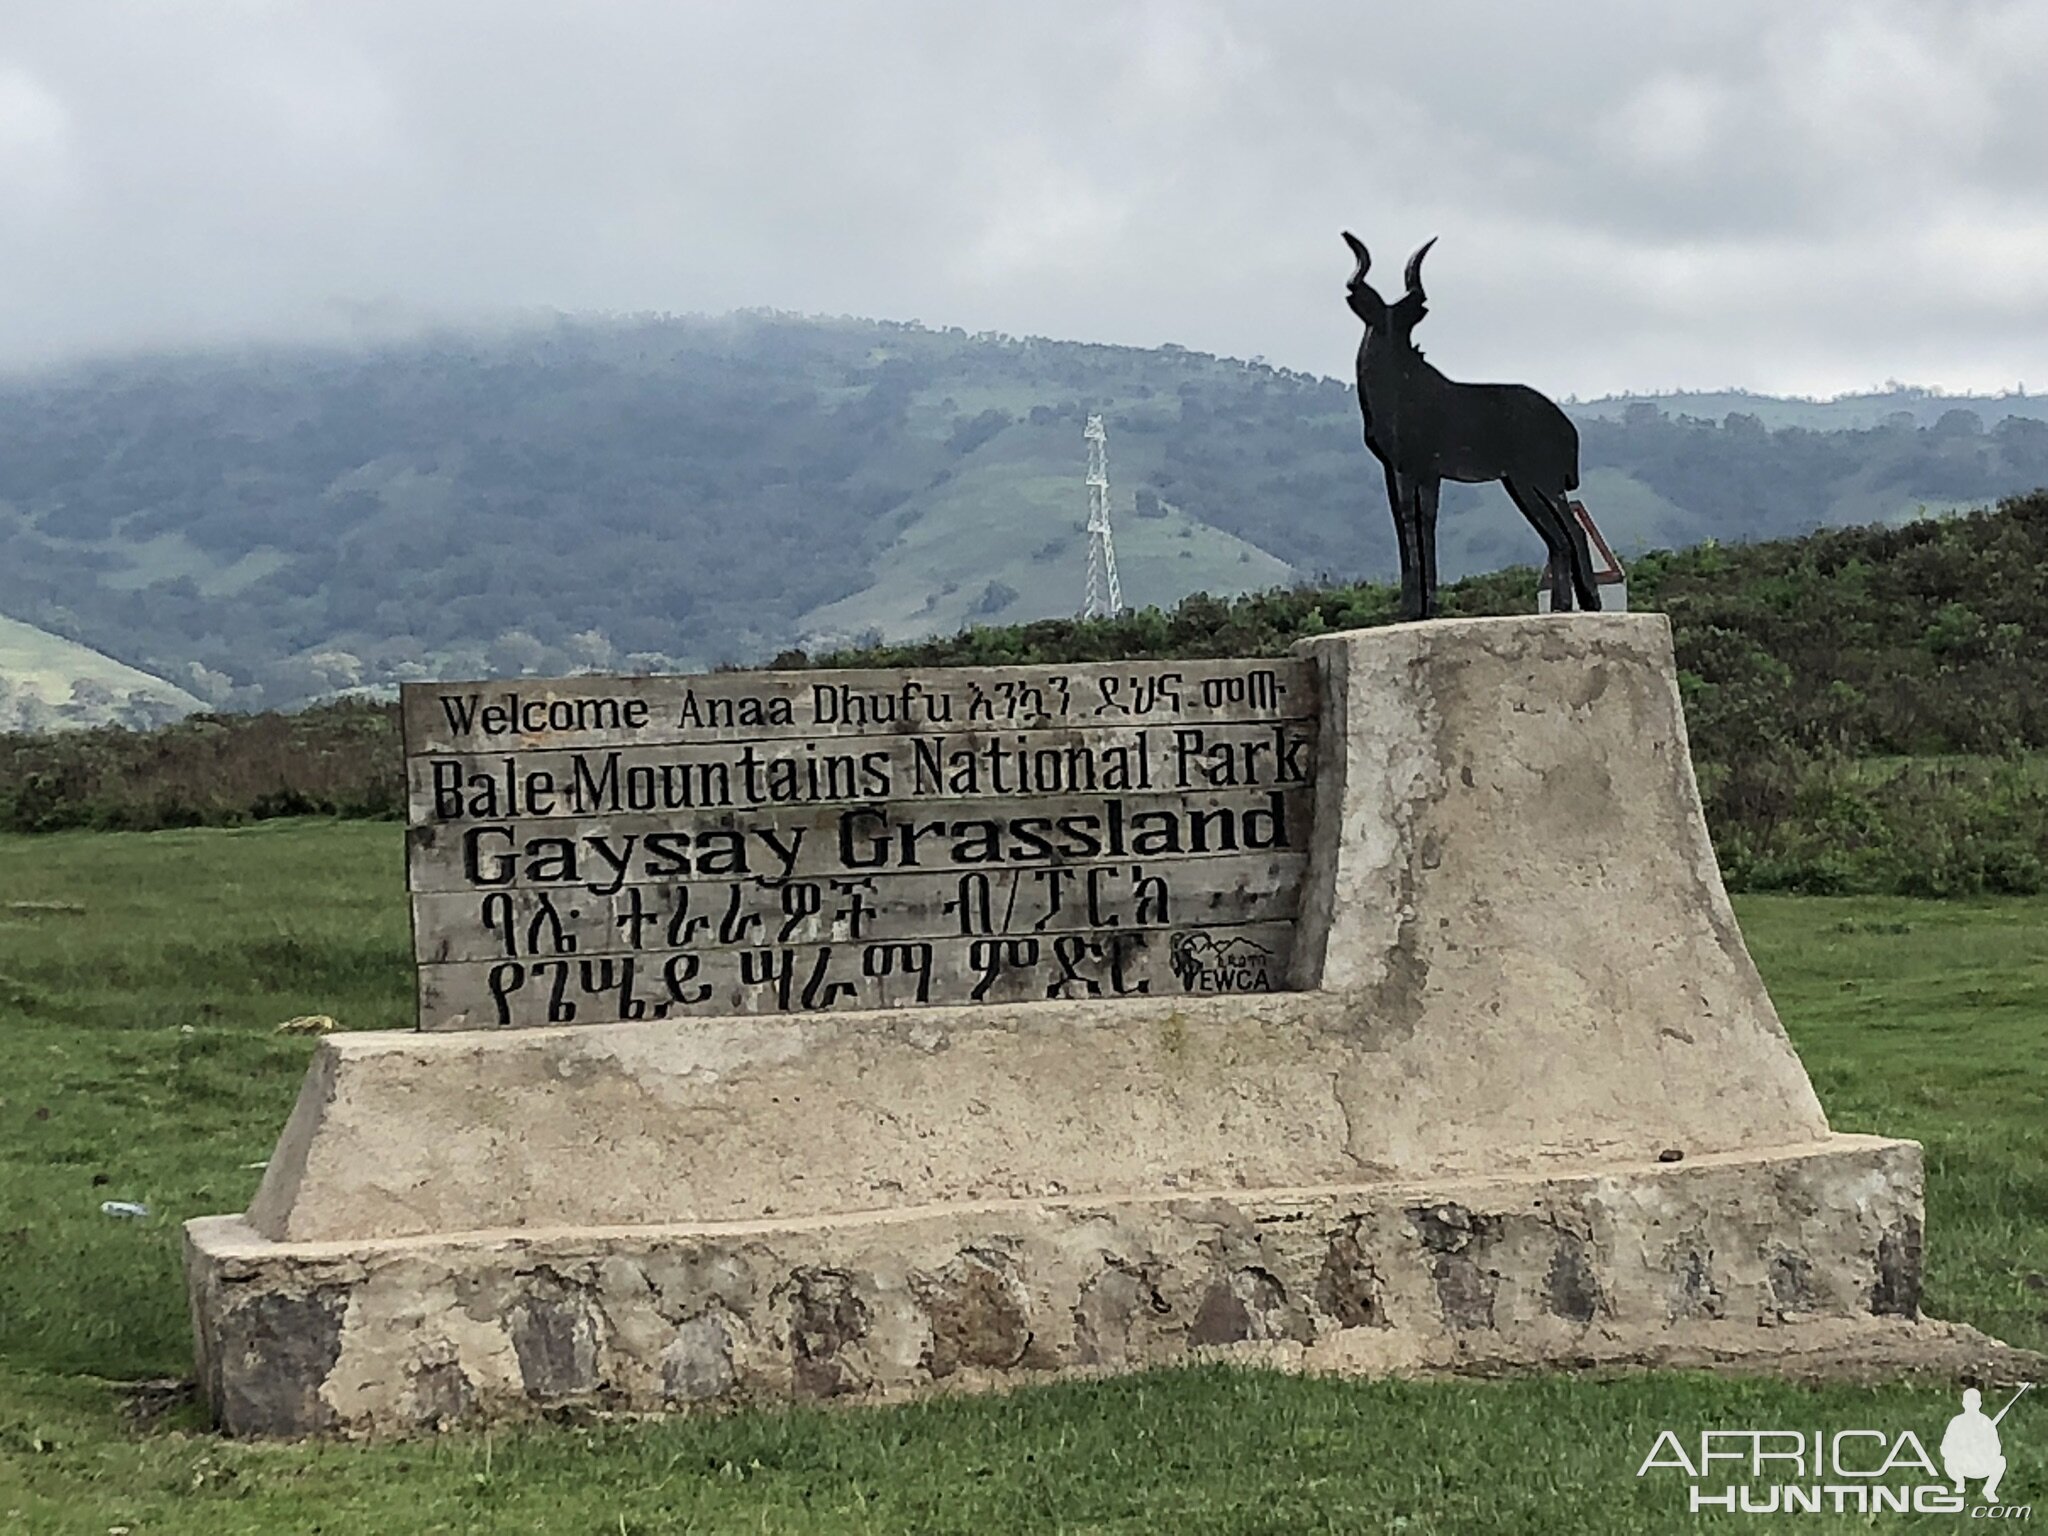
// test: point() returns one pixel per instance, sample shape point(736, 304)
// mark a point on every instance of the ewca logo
point(1860, 1471)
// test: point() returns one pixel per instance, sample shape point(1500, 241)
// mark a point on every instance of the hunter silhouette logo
point(1970, 1449)
point(1845, 1471)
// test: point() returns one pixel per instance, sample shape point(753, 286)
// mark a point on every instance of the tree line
point(1867, 707)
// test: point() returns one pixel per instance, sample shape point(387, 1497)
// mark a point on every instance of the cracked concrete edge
point(235, 1238)
point(284, 1175)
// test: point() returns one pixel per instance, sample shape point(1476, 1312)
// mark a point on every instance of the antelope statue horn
point(1413, 276)
point(1364, 257)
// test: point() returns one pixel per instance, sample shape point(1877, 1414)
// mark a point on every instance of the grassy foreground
point(142, 975)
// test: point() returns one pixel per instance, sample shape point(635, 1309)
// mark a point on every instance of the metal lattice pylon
point(1105, 598)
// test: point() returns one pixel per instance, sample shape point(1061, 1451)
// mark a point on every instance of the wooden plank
point(588, 712)
point(590, 849)
point(886, 908)
point(825, 977)
point(605, 854)
point(949, 765)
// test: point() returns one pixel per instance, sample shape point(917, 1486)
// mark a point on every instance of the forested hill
point(1867, 707)
point(660, 493)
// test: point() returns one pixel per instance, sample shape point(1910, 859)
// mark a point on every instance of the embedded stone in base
point(396, 1335)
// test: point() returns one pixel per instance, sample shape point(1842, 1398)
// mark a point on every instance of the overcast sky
point(1788, 196)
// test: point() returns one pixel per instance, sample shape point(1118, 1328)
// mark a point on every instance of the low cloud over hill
point(649, 493)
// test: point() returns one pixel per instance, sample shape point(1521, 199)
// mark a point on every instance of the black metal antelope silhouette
point(1424, 429)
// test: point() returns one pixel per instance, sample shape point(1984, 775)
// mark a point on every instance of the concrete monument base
point(1528, 1102)
point(424, 1332)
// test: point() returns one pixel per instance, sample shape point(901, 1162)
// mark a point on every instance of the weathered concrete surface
point(1520, 948)
point(1524, 987)
point(726, 1120)
point(1511, 829)
point(1727, 1256)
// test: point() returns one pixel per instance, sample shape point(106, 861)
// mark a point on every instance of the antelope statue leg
point(1581, 551)
point(1426, 493)
point(1556, 541)
point(1404, 541)
point(1414, 592)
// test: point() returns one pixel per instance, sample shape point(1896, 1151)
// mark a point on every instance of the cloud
point(1629, 194)
point(34, 132)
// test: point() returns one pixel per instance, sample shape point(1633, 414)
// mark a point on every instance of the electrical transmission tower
point(1105, 598)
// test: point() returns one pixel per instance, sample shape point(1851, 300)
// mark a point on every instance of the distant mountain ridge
point(1848, 412)
point(50, 683)
point(656, 493)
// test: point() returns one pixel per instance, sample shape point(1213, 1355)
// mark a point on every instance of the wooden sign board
point(585, 850)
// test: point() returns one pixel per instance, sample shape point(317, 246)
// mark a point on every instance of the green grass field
point(141, 977)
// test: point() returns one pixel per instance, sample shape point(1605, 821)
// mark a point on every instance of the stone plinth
point(415, 1333)
point(1531, 1088)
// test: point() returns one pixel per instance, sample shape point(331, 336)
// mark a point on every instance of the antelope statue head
point(1384, 319)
